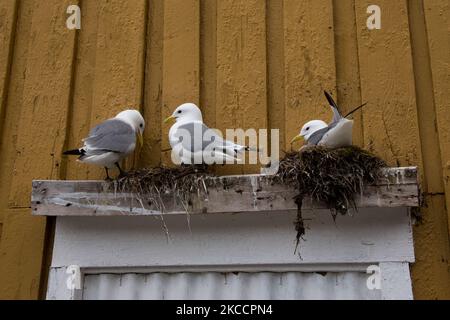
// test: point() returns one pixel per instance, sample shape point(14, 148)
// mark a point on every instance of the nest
point(330, 176)
point(180, 182)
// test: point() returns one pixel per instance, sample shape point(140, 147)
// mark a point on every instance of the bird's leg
point(121, 172)
point(108, 178)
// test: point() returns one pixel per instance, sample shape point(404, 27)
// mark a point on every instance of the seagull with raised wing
point(338, 133)
point(111, 141)
point(193, 142)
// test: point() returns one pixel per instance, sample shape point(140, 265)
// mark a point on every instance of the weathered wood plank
point(229, 194)
point(84, 74)
point(309, 63)
point(16, 275)
point(8, 26)
point(276, 113)
point(180, 61)
point(241, 80)
point(151, 151)
point(8, 18)
point(41, 99)
point(432, 248)
point(387, 81)
point(208, 61)
point(437, 19)
point(347, 64)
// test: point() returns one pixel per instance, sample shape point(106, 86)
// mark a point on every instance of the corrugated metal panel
point(239, 286)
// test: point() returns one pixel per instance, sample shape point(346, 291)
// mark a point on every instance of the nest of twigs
point(330, 176)
point(154, 183)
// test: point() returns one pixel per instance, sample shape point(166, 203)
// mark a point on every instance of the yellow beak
point(140, 138)
point(296, 138)
point(168, 119)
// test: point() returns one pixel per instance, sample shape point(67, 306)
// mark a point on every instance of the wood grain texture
point(233, 194)
point(399, 126)
point(109, 69)
point(387, 81)
point(151, 151)
point(437, 25)
point(249, 64)
point(83, 90)
point(13, 96)
point(208, 60)
point(433, 147)
point(309, 62)
point(46, 93)
point(181, 58)
point(276, 111)
point(8, 19)
point(40, 138)
point(347, 65)
point(241, 94)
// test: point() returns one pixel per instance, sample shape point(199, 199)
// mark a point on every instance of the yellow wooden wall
point(249, 64)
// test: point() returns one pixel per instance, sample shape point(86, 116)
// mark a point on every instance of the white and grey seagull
point(338, 133)
point(111, 141)
point(193, 142)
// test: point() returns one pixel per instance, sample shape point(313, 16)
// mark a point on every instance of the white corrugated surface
point(215, 285)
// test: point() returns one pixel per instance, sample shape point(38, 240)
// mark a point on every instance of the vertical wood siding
point(249, 64)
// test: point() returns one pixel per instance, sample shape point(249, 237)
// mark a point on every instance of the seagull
point(336, 134)
point(193, 142)
point(111, 141)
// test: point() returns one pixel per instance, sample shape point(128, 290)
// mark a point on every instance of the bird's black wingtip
point(74, 152)
point(330, 99)
point(327, 95)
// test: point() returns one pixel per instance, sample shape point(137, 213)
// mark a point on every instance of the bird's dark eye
point(179, 111)
point(307, 129)
point(141, 125)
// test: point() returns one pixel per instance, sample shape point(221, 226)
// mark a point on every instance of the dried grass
point(330, 176)
point(152, 183)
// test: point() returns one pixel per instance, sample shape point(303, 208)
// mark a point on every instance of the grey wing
point(315, 138)
point(196, 136)
point(111, 135)
point(336, 113)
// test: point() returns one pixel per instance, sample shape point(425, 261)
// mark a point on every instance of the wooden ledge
point(227, 194)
